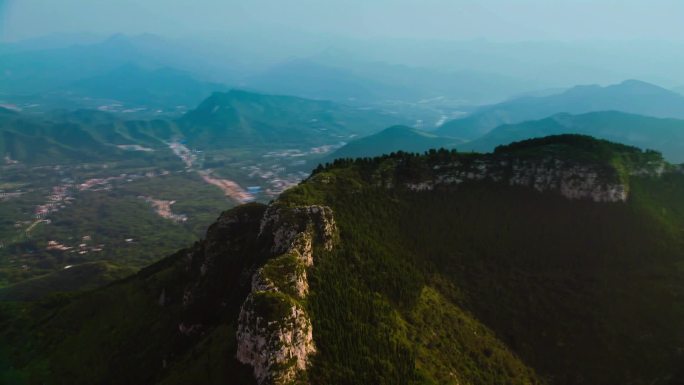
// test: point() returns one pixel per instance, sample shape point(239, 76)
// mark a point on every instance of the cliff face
point(274, 330)
point(572, 180)
point(259, 256)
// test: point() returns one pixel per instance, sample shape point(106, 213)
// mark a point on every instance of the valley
point(112, 171)
point(113, 179)
point(61, 204)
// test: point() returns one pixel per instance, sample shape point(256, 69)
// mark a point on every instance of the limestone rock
point(274, 330)
point(571, 180)
point(278, 348)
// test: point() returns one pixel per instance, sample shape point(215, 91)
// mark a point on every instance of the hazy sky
point(440, 19)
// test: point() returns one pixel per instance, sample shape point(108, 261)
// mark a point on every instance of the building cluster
point(61, 196)
point(83, 248)
point(275, 176)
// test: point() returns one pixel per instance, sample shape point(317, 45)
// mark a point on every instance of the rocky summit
point(274, 330)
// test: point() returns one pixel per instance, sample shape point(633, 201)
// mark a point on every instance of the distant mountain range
point(241, 118)
point(664, 135)
point(136, 71)
point(34, 68)
point(37, 141)
point(130, 83)
point(234, 119)
point(42, 70)
point(630, 96)
point(76, 137)
point(308, 79)
point(393, 139)
point(372, 82)
point(113, 69)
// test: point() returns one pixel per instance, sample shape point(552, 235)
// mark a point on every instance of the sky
point(497, 20)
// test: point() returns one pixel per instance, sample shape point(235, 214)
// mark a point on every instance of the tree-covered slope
point(80, 136)
point(222, 122)
point(85, 276)
point(393, 139)
point(631, 96)
point(241, 118)
point(664, 135)
point(557, 261)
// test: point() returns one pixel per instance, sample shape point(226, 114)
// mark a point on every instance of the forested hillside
point(550, 261)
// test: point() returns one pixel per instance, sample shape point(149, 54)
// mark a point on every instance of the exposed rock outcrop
point(274, 337)
point(286, 228)
point(571, 179)
point(274, 330)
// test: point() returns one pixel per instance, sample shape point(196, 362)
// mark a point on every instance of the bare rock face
point(276, 345)
point(286, 226)
point(274, 330)
point(571, 180)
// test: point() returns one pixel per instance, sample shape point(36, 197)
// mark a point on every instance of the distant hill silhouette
point(241, 118)
point(393, 139)
point(664, 135)
point(131, 83)
point(631, 96)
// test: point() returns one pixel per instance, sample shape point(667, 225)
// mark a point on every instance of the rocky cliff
point(573, 166)
point(274, 330)
point(570, 179)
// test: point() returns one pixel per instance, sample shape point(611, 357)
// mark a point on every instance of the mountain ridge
point(631, 96)
point(251, 118)
point(392, 139)
point(378, 260)
point(662, 134)
point(134, 84)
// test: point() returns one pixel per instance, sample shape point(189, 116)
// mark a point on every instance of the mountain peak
point(569, 145)
point(629, 86)
point(393, 139)
point(630, 96)
point(635, 82)
point(634, 85)
point(228, 99)
point(400, 129)
point(233, 94)
point(664, 135)
point(242, 116)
